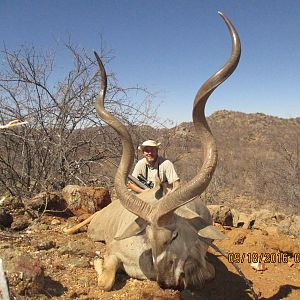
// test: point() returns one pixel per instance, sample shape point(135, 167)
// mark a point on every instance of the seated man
point(153, 166)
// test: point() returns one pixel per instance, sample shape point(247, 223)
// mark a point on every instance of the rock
point(77, 262)
point(279, 217)
point(272, 230)
point(276, 222)
point(235, 217)
point(285, 225)
point(239, 238)
point(46, 245)
point(73, 198)
point(25, 274)
point(221, 214)
point(55, 222)
point(259, 266)
point(263, 219)
point(11, 202)
point(6, 219)
point(47, 201)
point(20, 223)
point(85, 199)
point(83, 248)
point(243, 220)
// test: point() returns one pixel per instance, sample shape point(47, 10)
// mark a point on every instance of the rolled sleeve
point(170, 172)
point(139, 168)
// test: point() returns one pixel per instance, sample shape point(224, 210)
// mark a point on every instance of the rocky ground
point(42, 262)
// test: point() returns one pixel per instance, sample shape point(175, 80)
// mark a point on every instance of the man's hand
point(176, 184)
point(134, 187)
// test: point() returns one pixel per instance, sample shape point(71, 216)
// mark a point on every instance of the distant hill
point(259, 159)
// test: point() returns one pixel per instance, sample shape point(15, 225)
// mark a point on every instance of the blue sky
point(172, 47)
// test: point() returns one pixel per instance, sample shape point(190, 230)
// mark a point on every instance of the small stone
point(259, 266)
point(46, 245)
point(55, 222)
point(78, 262)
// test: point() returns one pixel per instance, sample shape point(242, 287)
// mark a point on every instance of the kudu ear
point(207, 230)
point(134, 228)
point(210, 232)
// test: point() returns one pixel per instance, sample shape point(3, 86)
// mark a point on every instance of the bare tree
point(63, 141)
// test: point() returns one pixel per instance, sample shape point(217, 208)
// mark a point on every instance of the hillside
point(258, 164)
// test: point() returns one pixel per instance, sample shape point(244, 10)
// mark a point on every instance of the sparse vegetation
point(64, 142)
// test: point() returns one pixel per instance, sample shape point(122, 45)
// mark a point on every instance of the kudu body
point(156, 236)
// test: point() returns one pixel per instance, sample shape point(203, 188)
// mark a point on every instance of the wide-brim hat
point(149, 143)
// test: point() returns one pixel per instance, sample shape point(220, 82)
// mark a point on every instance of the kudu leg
point(106, 269)
point(83, 223)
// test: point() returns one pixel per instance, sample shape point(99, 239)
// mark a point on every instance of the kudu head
point(174, 242)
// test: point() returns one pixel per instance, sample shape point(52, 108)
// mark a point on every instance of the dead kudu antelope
point(163, 240)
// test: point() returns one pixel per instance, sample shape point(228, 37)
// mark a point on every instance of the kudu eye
point(174, 235)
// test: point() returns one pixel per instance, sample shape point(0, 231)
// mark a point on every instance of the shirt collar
point(155, 164)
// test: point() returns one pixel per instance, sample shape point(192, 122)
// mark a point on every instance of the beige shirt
point(163, 166)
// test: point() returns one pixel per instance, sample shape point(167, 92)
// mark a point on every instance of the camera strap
point(157, 171)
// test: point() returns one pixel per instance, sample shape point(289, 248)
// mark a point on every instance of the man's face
point(150, 153)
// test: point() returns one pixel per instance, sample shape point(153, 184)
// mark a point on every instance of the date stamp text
point(266, 257)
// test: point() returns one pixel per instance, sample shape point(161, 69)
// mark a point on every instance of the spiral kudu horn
point(198, 184)
point(128, 199)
